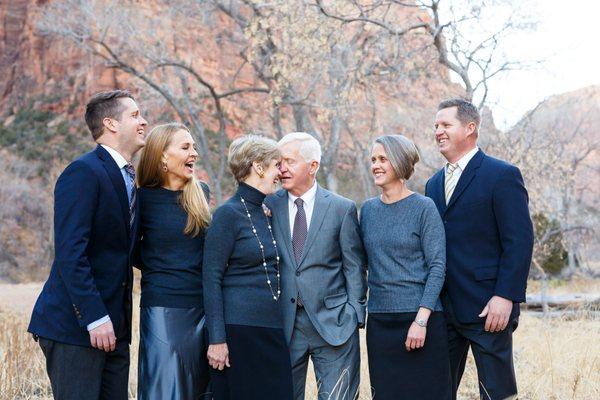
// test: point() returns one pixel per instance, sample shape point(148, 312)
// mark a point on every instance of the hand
point(218, 356)
point(103, 337)
point(416, 337)
point(498, 311)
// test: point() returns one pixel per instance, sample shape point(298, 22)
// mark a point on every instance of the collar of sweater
point(250, 194)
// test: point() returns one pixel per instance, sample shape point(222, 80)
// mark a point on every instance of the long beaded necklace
point(262, 252)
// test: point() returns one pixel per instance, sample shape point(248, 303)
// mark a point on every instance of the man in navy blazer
point(489, 240)
point(82, 318)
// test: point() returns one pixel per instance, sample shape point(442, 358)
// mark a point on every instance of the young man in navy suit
point(82, 318)
point(489, 240)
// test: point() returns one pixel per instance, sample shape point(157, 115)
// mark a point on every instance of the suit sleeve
point(218, 246)
point(354, 263)
point(75, 202)
point(510, 202)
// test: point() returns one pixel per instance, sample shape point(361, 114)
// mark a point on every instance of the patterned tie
point(450, 181)
point(132, 194)
point(300, 231)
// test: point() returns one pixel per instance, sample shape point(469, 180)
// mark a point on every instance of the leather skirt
point(172, 360)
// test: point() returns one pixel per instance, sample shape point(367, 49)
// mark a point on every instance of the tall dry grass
point(557, 359)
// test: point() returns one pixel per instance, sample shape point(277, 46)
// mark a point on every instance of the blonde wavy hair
point(150, 174)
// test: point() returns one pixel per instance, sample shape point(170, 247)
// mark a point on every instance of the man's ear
point(110, 124)
point(472, 129)
point(314, 167)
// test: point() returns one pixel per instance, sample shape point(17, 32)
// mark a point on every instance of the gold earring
point(164, 167)
point(261, 174)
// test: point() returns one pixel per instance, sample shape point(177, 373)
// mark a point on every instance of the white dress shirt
point(121, 163)
point(462, 163)
point(309, 204)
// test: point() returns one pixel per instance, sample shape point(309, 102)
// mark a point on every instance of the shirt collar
point(308, 196)
point(464, 161)
point(119, 159)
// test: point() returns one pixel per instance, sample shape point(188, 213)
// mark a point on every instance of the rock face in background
point(35, 68)
point(56, 75)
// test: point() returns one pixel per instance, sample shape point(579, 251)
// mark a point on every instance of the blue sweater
point(171, 262)
point(235, 284)
point(406, 251)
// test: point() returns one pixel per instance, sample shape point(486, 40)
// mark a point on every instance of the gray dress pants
point(337, 368)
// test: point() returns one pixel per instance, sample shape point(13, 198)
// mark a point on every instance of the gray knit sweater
point(406, 250)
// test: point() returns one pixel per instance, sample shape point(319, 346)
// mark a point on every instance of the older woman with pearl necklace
point(247, 349)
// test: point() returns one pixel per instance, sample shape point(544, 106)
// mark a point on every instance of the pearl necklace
point(262, 252)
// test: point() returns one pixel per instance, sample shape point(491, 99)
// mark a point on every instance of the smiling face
point(180, 158)
point(381, 167)
point(297, 175)
point(453, 138)
point(130, 127)
point(270, 177)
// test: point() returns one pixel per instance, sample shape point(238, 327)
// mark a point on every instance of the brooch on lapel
point(266, 210)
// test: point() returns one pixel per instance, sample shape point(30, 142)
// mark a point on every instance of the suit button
point(445, 221)
point(297, 273)
point(293, 300)
point(124, 284)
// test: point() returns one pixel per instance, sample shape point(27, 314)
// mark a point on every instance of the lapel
point(466, 177)
point(118, 183)
point(437, 191)
point(283, 222)
point(322, 202)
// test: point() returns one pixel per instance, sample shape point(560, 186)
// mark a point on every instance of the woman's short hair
point(310, 148)
point(402, 153)
point(248, 149)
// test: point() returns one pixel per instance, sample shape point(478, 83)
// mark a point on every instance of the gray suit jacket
point(331, 275)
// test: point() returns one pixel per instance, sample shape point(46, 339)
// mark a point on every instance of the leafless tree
point(457, 30)
point(128, 41)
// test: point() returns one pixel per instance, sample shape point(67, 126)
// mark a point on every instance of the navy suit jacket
point(91, 275)
point(489, 236)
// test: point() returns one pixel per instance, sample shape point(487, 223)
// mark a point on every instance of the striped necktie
point(450, 181)
point(132, 193)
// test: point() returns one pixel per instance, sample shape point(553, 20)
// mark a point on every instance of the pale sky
point(566, 40)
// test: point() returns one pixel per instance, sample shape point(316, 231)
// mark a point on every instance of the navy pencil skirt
point(260, 366)
point(398, 374)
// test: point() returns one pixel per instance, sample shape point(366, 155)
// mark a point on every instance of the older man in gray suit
point(323, 273)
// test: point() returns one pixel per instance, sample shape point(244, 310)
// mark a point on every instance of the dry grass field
point(557, 359)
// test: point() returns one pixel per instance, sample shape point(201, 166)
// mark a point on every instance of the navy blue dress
point(172, 360)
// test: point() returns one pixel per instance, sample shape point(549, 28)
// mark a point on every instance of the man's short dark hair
point(104, 105)
point(466, 112)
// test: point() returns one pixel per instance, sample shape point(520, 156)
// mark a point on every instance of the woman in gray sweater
point(404, 239)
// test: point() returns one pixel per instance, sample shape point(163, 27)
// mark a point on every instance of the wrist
point(421, 322)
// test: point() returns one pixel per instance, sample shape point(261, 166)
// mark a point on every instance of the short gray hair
point(245, 150)
point(401, 152)
point(310, 148)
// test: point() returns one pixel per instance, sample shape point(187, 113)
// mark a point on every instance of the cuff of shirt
point(98, 322)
